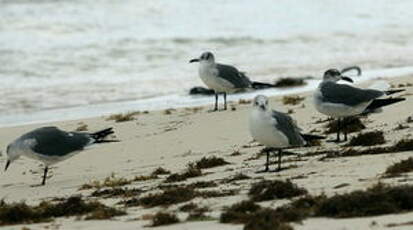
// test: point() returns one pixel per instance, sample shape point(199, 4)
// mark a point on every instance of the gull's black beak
point(347, 79)
point(262, 107)
point(194, 60)
point(7, 165)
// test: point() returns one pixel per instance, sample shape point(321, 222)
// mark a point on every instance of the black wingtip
point(106, 141)
point(102, 134)
point(378, 103)
point(390, 92)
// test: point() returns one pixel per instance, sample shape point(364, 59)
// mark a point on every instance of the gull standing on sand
point(275, 130)
point(51, 145)
point(221, 78)
point(340, 100)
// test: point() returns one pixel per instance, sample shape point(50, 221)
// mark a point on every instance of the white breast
point(50, 160)
point(209, 75)
point(262, 129)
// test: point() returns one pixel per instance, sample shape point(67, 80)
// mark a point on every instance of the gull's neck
point(207, 64)
point(329, 80)
point(260, 111)
point(325, 81)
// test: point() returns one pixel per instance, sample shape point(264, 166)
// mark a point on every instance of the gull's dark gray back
point(346, 94)
point(231, 74)
point(287, 126)
point(51, 141)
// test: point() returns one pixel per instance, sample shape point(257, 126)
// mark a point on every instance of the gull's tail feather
point(310, 137)
point(390, 92)
point(358, 69)
point(100, 136)
point(384, 86)
point(261, 85)
point(378, 103)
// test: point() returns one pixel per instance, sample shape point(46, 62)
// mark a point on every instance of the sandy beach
point(171, 139)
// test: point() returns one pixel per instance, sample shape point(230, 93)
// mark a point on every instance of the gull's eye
point(256, 103)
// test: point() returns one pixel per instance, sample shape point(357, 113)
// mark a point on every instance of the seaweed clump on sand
point(377, 200)
point(289, 82)
point(198, 214)
point(164, 218)
point(276, 189)
point(267, 219)
point(188, 207)
point(237, 177)
point(194, 169)
point(203, 184)
point(82, 127)
point(122, 117)
point(176, 194)
point(191, 171)
point(110, 181)
point(400, 167)
point(239, 212)
point(160, 171)
point(210, 162)
point(256, 217)
point(400, 146)
point(116, 192)
point(21, 213)
point(165, 198)
point(368, 139)
point(292, 100)
point(244, 101)
point(403, 145)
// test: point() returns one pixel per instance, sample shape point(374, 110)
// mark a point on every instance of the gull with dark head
point(51, 145)
point(221, 78)
point(275, 130)
point(341, 100)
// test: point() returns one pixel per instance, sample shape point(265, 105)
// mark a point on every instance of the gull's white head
point(260, 102)
point(334, 75)
point(12, 155)
point(206, 57)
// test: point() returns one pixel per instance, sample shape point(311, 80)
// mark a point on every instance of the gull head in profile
point(207, 57)
point(335, 76)
point(12, 155)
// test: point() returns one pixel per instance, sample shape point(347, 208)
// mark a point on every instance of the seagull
point(275, 130)
point(223, 79)
point(51, 145)
point(341, 100)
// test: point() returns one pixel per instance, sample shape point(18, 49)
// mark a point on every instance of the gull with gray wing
point(51, 145)
point(223, 79)
point(275, 130)
point(341, 100)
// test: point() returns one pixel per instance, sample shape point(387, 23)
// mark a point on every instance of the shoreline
point(173, 101)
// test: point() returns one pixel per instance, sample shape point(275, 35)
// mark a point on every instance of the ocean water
point(66, 59)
